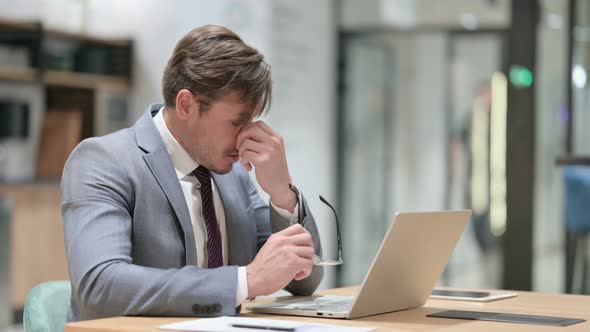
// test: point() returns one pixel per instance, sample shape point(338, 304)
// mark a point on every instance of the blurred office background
point(385, 105)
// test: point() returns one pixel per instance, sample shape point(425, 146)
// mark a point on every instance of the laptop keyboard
point(324, 305)
point(336, 306)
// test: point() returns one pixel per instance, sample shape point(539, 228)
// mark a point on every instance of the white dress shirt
point(184, 165)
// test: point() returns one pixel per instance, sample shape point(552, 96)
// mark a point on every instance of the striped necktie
point(213, 233)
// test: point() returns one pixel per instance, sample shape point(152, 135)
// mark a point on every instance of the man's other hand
point(285, 256)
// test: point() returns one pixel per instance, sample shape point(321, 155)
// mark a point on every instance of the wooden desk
point(573, 306)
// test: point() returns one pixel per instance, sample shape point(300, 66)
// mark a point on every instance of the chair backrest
point(46, 307)
point(577, 198)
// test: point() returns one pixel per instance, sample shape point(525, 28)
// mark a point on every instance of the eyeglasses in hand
point(317, 260)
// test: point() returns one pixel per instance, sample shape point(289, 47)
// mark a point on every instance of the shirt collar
point(183, 164)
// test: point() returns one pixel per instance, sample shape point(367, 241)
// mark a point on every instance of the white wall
point(419, 127)
point(21, 10)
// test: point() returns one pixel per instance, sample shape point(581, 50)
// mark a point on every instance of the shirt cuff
point(242, 289)
point(286, 214)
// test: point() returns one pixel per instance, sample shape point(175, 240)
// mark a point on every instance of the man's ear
point(185, 104)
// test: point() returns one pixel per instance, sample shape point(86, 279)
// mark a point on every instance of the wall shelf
point(53, 53)
point(22, 74)
point(83, 80)
point(80, 37)
point(74, 71)
point(20, 25)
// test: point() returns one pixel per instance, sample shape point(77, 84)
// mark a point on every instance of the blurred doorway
point(416, 133)
point(365, 136)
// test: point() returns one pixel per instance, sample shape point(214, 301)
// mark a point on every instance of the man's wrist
point(251, 281)
point(286, 200)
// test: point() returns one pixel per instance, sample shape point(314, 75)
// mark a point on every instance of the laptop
point(409, 262)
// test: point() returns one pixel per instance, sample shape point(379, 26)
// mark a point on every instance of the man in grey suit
point(162, 219)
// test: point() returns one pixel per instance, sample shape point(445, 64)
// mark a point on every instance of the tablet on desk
point(461, 295)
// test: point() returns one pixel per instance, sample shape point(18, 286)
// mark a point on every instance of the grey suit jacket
point(129, 239)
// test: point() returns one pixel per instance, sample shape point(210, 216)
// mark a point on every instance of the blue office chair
point(577, 212)
point(46, 307)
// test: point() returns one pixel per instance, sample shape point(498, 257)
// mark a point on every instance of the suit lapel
point(160, 165)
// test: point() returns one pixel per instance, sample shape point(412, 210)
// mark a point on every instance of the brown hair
point(212, 62)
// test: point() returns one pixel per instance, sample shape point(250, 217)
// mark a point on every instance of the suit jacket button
point(196, 309)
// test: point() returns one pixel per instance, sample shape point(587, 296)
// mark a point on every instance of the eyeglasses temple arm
point(337, 227)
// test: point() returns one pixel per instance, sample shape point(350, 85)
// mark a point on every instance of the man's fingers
point(305, 266)
point(304, 252)
point(299, 276)
point(247, 158)
point(292, 230)
point(301, 239)
point(302, 275)
point(251, 146)
point(247, 166)
point(251, 132)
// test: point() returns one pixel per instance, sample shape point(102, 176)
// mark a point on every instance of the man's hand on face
point(262, 148)
point(285, 256)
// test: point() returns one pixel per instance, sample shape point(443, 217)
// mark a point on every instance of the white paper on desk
point(224, 324)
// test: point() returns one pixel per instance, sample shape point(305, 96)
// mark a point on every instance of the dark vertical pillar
point(520, 151)
point(570, 244)
point(570, 64)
